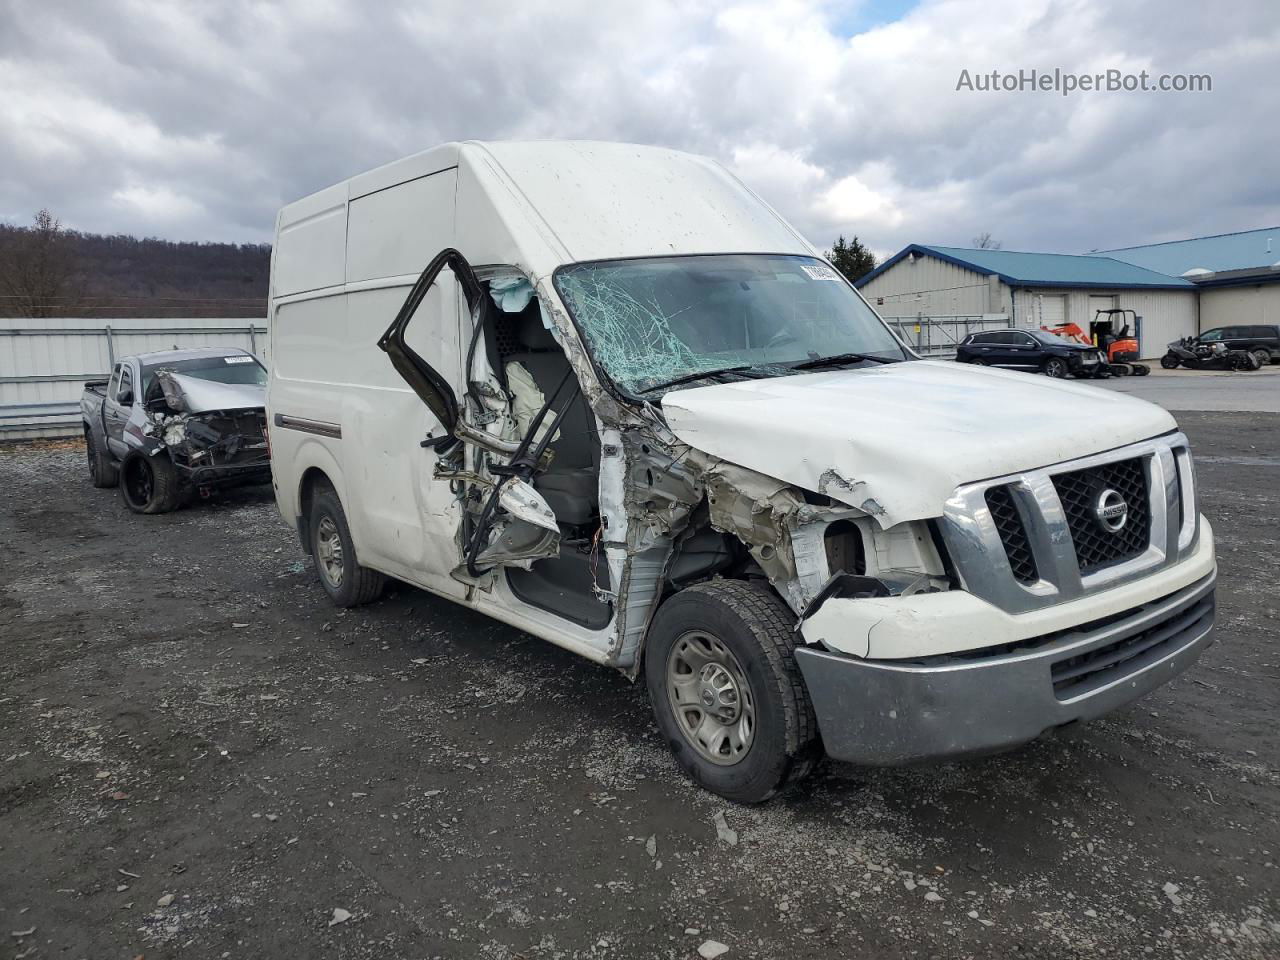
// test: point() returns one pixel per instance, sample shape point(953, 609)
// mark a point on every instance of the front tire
point(149, 484)
point(346, 582)
point(1056, 368)
point(727, 693)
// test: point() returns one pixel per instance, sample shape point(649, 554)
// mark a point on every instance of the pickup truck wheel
point(347, 583)
point(103, 471)
point(727, 694)
point(149, 484)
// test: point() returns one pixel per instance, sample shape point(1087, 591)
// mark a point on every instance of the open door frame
point(514, 526)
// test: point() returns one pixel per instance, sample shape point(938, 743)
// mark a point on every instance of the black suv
point(1261, 340)
point(1032, 350)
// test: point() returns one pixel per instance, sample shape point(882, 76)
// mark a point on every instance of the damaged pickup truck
point(181, 423)
point(629, 409)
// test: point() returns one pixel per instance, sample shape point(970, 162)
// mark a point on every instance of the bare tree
point(984, 241)
point(38, 270)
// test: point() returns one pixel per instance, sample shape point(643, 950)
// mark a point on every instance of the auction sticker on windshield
point(819, 271)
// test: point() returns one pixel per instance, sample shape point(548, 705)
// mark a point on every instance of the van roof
point(542, 203)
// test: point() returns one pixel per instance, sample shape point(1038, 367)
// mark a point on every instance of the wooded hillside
point(47, 271)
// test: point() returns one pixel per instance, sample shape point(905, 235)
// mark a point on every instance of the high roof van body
point(606, 394)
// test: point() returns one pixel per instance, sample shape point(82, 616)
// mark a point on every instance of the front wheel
point(1169, 361)
point(1057, 368)
point(346, 582)
point(149, 484)
point(727, 693)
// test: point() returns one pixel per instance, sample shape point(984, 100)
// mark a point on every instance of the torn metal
point(211, 431)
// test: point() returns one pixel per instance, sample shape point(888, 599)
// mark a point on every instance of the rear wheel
point(347, 583)
point(1169, 362)
point(103, 471)
point(1056, 367)
point(1263, 357)
point(726, 691)
point(149, 484)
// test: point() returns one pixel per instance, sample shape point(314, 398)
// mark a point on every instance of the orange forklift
point(1118, 345)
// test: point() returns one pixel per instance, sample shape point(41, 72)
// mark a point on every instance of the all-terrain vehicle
point(1189, 352)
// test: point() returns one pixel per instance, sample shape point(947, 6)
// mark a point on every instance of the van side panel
point(407, 519)
point(310, 249)
point(396, 231)
point(342, 270)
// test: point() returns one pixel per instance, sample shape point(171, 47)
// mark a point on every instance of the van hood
point(896, 440)
point(192, 395)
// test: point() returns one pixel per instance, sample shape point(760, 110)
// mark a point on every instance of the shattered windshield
point(649, 322)
point(233, 368)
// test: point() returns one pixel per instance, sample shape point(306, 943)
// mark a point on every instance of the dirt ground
point(200, 757)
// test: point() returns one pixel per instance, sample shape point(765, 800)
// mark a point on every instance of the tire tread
point(771, 620)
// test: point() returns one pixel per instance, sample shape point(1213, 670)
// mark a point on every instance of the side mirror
point(125, 399)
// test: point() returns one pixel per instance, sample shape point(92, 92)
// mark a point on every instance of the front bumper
point(1086, 363)
point(230, 474)
point(885, 712)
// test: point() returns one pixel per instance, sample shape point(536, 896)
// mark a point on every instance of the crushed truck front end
point(214, 431)
point(1077, 588)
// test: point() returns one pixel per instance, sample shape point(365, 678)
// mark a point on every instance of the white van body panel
point(896, 460)
point(346, 257)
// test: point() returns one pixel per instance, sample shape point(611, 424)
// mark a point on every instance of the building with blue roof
point(1226, 252)
point(1178, 288)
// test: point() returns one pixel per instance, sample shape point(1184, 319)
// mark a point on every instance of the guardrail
point(44, 362)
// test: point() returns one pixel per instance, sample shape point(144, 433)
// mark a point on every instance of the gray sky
point(196, 121)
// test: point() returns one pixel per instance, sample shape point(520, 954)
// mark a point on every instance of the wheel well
point(313, 479)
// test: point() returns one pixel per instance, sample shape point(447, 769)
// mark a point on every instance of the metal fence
point(938, 336)
point(44, 362)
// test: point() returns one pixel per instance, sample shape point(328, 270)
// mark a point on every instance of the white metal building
point(1032, 290)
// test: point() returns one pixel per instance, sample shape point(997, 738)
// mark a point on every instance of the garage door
point(1097, 303)
point(1052, 309)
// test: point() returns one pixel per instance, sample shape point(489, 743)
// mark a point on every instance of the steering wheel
point(781, 337)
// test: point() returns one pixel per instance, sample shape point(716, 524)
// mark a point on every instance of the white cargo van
point(606, 394)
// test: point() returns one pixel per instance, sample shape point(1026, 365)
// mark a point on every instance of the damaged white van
point(606, 394)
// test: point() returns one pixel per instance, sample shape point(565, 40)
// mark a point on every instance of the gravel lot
point(199, 757)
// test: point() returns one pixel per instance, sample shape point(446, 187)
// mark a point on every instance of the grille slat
point(1013, 534)
point(1097, 547)
point(1088, 671)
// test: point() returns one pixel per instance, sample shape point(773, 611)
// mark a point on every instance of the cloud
point(197, 121)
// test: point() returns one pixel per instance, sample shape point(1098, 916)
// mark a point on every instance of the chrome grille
point(1012, 534)
point(1096, 546)
point(998, 531)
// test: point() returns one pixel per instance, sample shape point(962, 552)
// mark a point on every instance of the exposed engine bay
point(209, 429)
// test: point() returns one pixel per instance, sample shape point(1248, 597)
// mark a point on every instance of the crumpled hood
point(896, 440)
point(193, 395)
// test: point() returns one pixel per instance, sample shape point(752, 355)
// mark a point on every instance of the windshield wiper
point(831, 361)
point(696, 375)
